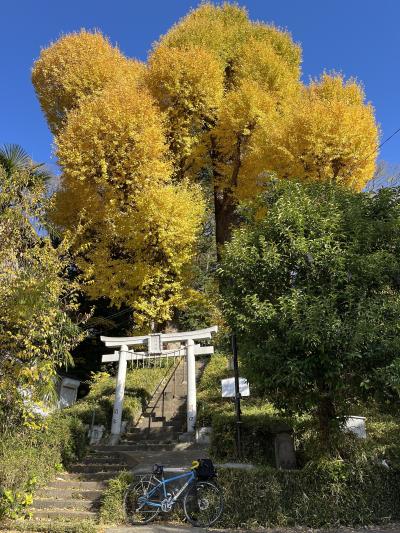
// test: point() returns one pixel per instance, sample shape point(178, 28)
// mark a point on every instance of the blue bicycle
point(202, 498)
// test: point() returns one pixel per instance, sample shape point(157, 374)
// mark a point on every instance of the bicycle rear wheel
point(203, 504)
point(138, 498)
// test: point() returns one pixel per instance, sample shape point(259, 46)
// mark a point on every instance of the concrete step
point(156, 429)
point(153, 424)
point(76, 485)
point(151, 436)
point(102, 453)
point(75, 504)
point(149, 446)
point(101, 459)
point(169, 412)
point(96, 468)
point(153, 417)
point(92, 476)
point(69, 514)
point(71, 493)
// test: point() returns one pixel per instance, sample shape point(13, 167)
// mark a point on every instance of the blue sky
point(357, 37)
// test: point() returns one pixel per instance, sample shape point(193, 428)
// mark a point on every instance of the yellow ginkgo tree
point(220, 102)
point(135, 230)
point(252, 116)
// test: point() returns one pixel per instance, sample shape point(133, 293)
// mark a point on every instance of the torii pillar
point(191, 387)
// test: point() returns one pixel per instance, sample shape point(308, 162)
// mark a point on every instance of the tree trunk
point(225, 217)
point(327, 423)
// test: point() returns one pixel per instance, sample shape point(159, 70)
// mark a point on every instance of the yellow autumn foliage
point(188, 85)
point(330, 134)
point(78, 65)
point(139, 256)
point(137, 229)
point(115, 138)
point(205, 63)
point(220, 101)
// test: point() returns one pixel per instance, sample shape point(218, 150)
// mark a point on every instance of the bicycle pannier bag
point(206, 469)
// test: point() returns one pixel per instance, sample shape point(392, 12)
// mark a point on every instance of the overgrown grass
point(139, 387)
point(111, 511)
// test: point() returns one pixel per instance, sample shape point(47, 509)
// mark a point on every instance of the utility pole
point(237, 396)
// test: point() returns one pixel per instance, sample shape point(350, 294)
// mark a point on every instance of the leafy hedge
point(329, 493)
point(30, 458)
point(322, 494)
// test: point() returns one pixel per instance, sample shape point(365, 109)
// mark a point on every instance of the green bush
point(328, 493)
point(259, 426)
point(111, 511)
point(139, 387)
point(29, 459)
point(322, 494)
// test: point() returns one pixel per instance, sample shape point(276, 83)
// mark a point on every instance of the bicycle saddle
point(158, 470)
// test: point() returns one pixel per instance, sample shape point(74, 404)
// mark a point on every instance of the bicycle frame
point(164, 482)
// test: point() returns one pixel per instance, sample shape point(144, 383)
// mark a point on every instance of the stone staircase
point(165, 416)
point(76, 494)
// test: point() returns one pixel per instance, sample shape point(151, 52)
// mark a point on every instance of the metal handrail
point(162, 393)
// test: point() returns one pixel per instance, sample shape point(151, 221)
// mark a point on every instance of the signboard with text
point(228, 387)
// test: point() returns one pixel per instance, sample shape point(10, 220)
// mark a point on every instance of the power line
point(388, 139)
point(375, 150)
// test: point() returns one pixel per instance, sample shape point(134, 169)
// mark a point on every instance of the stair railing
point(162, 393)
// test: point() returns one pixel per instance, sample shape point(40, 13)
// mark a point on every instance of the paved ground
point(182, 457)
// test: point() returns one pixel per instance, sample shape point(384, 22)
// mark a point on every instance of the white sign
point(228, 387)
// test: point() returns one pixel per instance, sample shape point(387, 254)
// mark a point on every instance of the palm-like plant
point(23, 185)
point(13, 158)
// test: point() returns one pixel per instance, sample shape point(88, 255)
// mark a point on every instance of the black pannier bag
point(205, 470)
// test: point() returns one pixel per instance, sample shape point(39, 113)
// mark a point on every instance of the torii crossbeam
point(155, 348)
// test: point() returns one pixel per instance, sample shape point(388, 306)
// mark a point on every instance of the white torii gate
point(155, 342)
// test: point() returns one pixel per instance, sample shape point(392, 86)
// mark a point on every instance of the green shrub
point(260, 424)
point(30, 458)
point(326, 493)
point(111, 511)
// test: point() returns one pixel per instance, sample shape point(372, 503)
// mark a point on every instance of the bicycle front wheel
point(203, 504)
point(138, 500)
